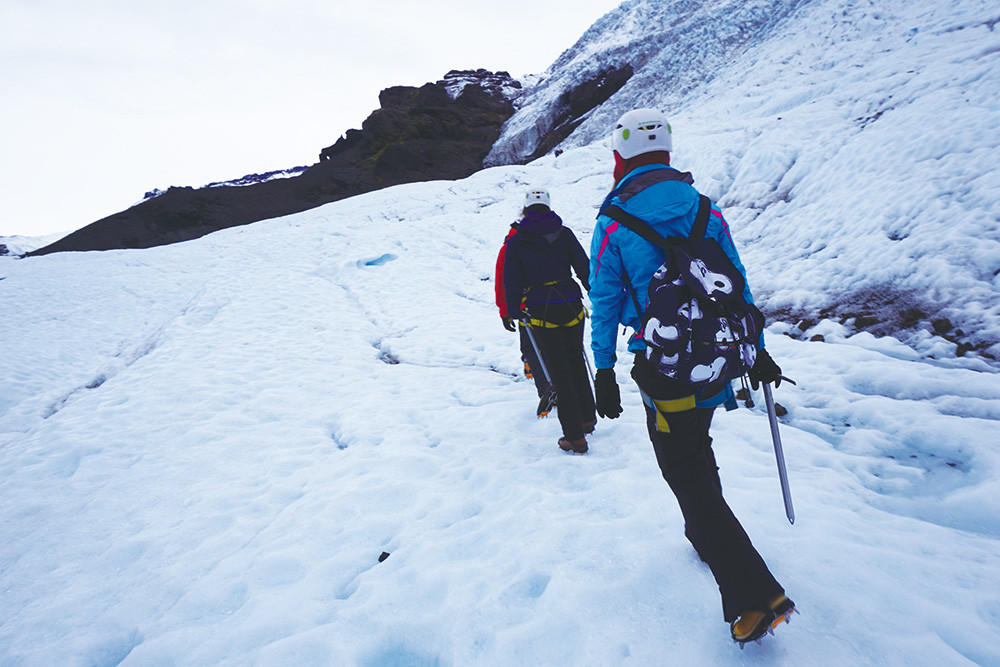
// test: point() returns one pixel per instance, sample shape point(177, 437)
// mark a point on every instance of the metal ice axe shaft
point(538, 353)
point(589, 368)
point(779, 454)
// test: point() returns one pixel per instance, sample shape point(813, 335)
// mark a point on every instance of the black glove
point(764, 370)
point(508, 323)
point(606, 394)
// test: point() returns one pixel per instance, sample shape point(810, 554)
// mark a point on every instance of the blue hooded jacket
point(620, 258)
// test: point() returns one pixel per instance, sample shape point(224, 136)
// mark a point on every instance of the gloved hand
point(606, 394)
point(508, 323)
point(764, 370)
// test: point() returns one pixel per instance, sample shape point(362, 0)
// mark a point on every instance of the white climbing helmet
point(537, 196)
point(641, 131)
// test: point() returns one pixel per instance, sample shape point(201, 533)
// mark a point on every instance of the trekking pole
point(779, 454)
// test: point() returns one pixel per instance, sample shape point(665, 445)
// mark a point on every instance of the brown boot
point(578, 446)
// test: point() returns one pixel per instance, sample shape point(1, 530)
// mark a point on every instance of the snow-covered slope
point(673, 46)
point(862, 134)
point(242, 181)
point(205, 448)
point(19, 245)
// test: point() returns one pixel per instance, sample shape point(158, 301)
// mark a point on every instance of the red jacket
point(498, 280)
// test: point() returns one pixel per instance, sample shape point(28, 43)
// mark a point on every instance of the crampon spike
point(786, 617)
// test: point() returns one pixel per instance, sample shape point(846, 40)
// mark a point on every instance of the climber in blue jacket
point(678, 417)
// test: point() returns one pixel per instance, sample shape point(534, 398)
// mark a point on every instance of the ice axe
point(779, 453)
point(546, 398)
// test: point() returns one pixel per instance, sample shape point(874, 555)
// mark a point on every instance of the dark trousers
point(529, 357)
point(562, 354)
point(688, 464)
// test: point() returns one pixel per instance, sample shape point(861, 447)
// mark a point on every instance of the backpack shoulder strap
point(643, 229)
point(701, 220)
point(637, 225)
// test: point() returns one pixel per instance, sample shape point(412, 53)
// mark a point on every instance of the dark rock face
point(573, 106)
point(440, 130)
point(351, 139)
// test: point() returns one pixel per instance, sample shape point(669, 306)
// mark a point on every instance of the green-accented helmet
point(641, 131)
point(537, 196)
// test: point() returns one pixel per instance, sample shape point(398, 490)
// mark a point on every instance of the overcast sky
point(105, 100)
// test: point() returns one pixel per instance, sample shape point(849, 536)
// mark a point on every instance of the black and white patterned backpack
point(698, 328)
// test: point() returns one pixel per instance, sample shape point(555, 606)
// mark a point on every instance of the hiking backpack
point(697, 326)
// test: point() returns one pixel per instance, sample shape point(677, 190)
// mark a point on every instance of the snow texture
point(852, 144)
point(207, 448)
point(19, 245)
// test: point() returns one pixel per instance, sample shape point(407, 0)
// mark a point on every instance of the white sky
point(105, 100)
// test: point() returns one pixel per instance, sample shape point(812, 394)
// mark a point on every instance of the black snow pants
point(562, 355)
point(687, 462)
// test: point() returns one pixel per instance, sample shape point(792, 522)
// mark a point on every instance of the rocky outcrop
point(441, 130)
point(572, 107)
point(550, 112)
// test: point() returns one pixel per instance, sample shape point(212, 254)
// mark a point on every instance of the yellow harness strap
point(549, 325)
point(665, 407)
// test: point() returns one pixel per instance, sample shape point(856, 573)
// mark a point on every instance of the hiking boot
point(588, 427)
point(578, 446)
point(752, 625)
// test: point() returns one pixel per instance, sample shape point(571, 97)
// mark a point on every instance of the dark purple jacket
point(537, 266)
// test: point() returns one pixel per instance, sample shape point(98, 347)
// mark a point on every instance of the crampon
point(751, 626)
point(546, 402)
